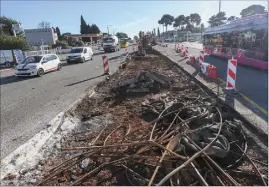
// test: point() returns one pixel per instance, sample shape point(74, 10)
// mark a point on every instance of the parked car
point(38, 65)
point(80, 54)
point(8, 58)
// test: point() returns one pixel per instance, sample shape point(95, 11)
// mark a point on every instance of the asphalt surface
point(251, 82)
point(28, 104)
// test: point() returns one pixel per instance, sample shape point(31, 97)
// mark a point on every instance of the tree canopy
point(179, 21)
point(121, 35)
point(11, 42)
point(88, 29)
point(58, 33)
point(217, 19)
point(195, 19)
point(135, 37)
point(166, 20)
point(252, 10)
point(7, 25)
point(231, 18)
point(44, 24)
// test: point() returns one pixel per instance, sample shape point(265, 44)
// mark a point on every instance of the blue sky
point(123, 16)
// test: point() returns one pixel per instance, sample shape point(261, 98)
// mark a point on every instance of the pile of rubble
point(157, 127)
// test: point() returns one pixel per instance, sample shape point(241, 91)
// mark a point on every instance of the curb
point(2, 70)
point(254, 129)
point(33, 145)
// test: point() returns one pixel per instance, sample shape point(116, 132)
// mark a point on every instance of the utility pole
point(219, 5)
point(108, 28)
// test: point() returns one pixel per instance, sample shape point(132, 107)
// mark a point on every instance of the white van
point(10, 57)
point(80, 54)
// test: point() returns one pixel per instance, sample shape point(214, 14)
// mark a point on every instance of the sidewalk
point(238, 103)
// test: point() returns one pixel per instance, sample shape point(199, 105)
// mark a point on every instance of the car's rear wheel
point(40, 72)
point(59, 67)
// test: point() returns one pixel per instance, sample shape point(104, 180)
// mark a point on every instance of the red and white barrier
point(231, 74)
point(126, 53)
point(105, 63)
point(186, 52)
point(201, 58)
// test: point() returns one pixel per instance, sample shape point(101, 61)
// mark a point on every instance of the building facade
point(181, 36)
point(42, 36)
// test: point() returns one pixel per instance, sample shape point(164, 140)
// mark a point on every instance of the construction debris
point(172, 134)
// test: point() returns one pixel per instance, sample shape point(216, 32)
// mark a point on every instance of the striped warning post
point(126, 53)
point(201, 58)
point(186, 52)
point(231, 74)
point(105, 63)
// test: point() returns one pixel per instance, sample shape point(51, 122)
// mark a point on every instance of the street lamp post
point(108, 28)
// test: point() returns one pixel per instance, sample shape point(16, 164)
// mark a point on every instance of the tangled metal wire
point(187, 141)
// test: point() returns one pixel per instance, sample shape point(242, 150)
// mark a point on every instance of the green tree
point(79, 43)
point(44, 24)
point(7, 25)
point(217, 19)
point(154, 32)
point(252, 10)
point(179, 21)
point(83, 26)
point(231, 18)
point(195, 19)
point(121, 35)
point(136, 38)
point(63, 44)
point(167, 19)
point(59, 33)
point(158, 33)
point(95, 29)
point(11, 42)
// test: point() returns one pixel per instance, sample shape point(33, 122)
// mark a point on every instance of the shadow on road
point(13, 79)
point(85, 80)
point(116, 57)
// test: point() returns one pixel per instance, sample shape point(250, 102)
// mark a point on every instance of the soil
point(122, 117)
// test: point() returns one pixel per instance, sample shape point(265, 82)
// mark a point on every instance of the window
point(85, 50)
point(48, 58)
point(53, 57)
point(32, 59)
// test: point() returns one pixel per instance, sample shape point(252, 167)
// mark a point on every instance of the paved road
point(251, 82)
point(27, 104)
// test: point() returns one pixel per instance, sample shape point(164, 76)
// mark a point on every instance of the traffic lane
point(252, 82)
point(28, 105)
